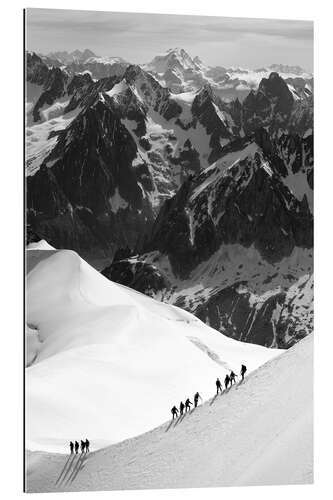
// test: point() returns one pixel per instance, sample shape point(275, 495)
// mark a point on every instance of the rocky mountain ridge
point(178, 71)
point(197, 201)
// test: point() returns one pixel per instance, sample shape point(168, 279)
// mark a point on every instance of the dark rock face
point(204, 110)
point(91, 160)
point(79, 81)
point(231, 311)
point(87, 169)
point(244, 204)
point(271, 105)
point(54, 81)
point(36, 70)
point(154, 94)
point(54, 87)
point(251, 206)
point(140, 276)
point(130, 143)
point(31, 236)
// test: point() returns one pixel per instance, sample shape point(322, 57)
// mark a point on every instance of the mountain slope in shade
point(108, 362)
point(234, 247)
point(125, 165)
point(259, 433)
point(127, 139)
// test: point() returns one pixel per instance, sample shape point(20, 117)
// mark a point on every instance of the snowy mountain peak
point(69, 57)
point(198, 62)
point(206, 92)
point(173, 59)
point(105, 60)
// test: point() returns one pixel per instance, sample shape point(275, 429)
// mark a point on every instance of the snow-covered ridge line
point(102, 340)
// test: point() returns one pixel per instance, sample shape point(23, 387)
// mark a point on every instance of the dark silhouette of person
point(77, 446)
point(188, 405)
point(181, 408)
point(71, 447)
point(196, 399)
point(174, 412)
point(83, 445)
point(243, 371)
point(87, 445)
point(218, 386)
point(226, 381)
point(232, 378)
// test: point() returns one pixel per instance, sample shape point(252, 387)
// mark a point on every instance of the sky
point(224, 41)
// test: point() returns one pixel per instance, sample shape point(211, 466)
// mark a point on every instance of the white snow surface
point(221, 166)
point(104, 60)
point(110, 362)
point(118, 88)
point(40, 245)
point(37, 140)
point(260, 432)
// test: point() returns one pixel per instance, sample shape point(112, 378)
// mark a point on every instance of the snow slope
point(260, 432)
point(109, 362)
point(41, 137)
point(40, 245)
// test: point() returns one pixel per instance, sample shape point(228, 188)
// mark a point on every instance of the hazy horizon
point(137, 37)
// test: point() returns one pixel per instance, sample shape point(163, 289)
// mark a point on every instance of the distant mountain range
point(191, 184)
point(178, 71)
point(69, 57)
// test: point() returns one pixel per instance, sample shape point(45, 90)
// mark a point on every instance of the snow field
point(259, 432)
point(111, 362)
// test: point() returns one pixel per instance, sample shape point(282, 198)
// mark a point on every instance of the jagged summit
point(185, 179)
point(197, 61)
point(74, 56)
point(180, 72)
point(172, 59)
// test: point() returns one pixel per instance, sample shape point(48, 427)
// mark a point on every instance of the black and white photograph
point(169, 292)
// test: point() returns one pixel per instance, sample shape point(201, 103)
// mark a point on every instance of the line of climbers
point(230, 379)
point(186, 406)
point(75, 446)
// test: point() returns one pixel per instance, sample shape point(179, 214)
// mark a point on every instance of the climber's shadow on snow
point(80, 464)
point(68, 471)
point(66, 468)
point(169, 426)
point(213, 400)
point(71, 469)
point(180, 419)
point(176, 421)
